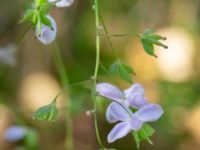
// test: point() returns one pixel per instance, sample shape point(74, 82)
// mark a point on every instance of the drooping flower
point(15, 133)
point(62, 3)
point(119, 110)
point(48, 34)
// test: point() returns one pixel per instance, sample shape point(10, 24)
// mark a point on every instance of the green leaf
point(35, 18)
point(156, 37)
point(143, 134)
point(148, 47)
point(122, 70)
point(137, 140)
point(28, 16)
point(45, 20)
point(128, 68)
point(149, 39)
point(47, 113)
point(146, 132)
point(40, 2)
point(124, 73)
point(44, 8)
point(154, 41)
point(114, 68)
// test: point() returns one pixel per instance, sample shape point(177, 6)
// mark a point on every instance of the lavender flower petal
point(120, 130)
point(136, 124)
point(51, 1)
point(15, 133)
point(109, 115)
point(149, 113)
point(136, 100)
point(47, 35)
point(135, 88)
point(109, 91)
point(116, 112)
point(64, 3)
point(135, 96)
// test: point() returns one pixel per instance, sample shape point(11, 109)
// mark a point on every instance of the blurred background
point(29, 78)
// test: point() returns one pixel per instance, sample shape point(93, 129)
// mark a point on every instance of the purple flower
point(62, 3)
point(133, 96)
point(130, 121)
point(119, 111)
point(47, 34)
point(15, 133)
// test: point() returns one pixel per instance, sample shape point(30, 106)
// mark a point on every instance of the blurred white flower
point(47, 34)
point(176, 63)
point(62, 3)
point(7, 55)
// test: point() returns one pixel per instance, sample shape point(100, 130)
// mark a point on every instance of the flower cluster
point(121, 109)
point(46, 28)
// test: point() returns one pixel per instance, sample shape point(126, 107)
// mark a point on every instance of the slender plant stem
point(119, 35)
point(107, 33)
point(22, 35)
point(66, 87)
point(96, 73)
point(136, 137)
point(64, 80)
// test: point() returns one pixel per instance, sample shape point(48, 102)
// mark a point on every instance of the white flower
point(62, 3)
point(47, 34)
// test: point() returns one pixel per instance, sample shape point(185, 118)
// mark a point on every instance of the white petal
point(120, 130)
point(64, 3)
point(51, 1)
point(109, 91)
point(116, 112)
point(47, 35)
point(149, 113)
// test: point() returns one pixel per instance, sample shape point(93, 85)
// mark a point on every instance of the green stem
point(60, 65)
point(136, 137)
point(22, 35)
point(64, 80)
point(107, 33)
point(66, 87)
point(96, 73)
point(119, 35)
